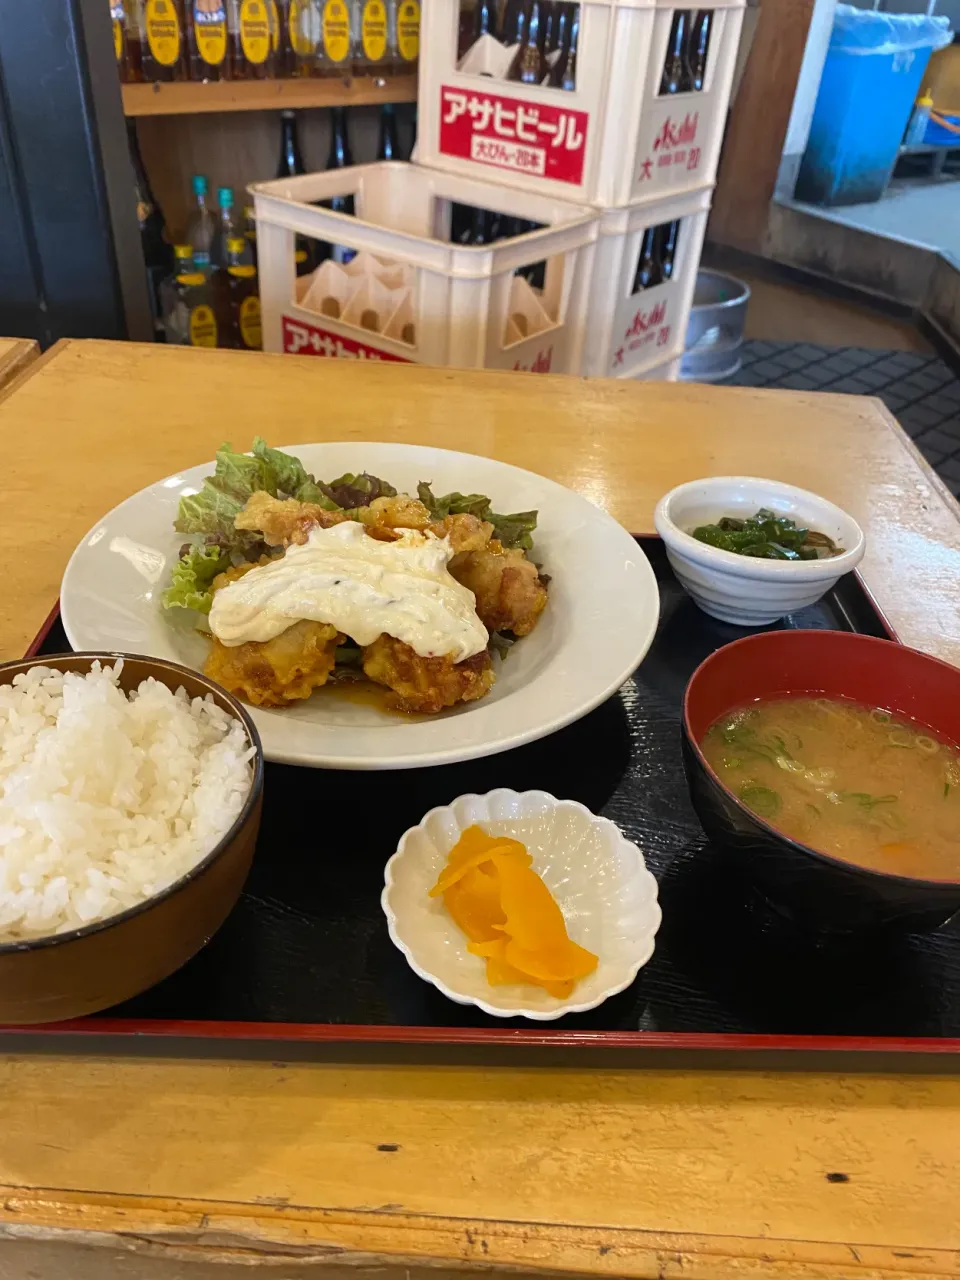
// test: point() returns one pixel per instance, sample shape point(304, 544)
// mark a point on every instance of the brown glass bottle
point(208, 45)
point(243, 296)
point(667, 236)
point(252, 39)
point(528, 66)
point(303, 36)
point(676, 78)
point(564, 74)
point(698, 46)
point(126, 41)
point(513, 23)
point(164, 41)
point(335, 53)
point(648, 267)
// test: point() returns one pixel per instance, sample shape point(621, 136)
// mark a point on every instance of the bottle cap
point(183, 250)
point(248, 212)
point(225, 197)
point(235, 244)
point(925, 100)
point(199, 185)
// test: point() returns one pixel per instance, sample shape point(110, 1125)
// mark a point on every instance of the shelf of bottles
point(204, 290)
point(179, 56)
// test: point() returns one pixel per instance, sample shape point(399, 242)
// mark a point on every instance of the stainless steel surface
point(715, 328)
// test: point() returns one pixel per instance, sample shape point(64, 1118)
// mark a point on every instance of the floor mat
point(921, 391)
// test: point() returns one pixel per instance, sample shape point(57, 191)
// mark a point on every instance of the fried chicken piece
point(426, 684)
point(279, 671)
point(509, 593)
point(466, 532)
point(283, 521)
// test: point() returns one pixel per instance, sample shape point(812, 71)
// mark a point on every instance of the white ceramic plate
point(597, 876)
point(596, 629)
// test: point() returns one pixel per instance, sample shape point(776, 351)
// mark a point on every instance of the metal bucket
point(715, 328)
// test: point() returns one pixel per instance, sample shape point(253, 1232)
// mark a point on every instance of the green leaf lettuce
point(192, 577)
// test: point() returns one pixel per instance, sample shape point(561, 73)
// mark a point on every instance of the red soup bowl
point(816, 890)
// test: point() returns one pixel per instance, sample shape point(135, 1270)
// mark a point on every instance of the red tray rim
point(319, 1033)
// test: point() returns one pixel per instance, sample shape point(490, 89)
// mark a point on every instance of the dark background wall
point(70, 257)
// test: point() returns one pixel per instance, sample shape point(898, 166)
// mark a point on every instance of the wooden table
point(15, 355)
point(153, 1167)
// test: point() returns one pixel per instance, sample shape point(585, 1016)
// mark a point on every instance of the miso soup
point(852, 781)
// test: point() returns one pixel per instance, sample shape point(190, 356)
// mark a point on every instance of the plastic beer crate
point(400, 291)
point(626, 331)
point(612, 141)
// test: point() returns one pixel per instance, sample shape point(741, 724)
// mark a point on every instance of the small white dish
point(740, 589)
point(598, 877)
point(599, 624)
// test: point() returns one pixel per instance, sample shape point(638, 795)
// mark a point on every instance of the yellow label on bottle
point(408, 30)
point(210, 30)
point(251, 330)
point(373, 30)
point(304, 21)
point(203, 327)
point(255, 31)
point(336, 30)
point(300, 257)
point(163, 31)
point(274, 19)
point(243, 271)
point(118, 17)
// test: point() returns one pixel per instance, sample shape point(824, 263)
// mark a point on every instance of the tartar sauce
point(361, 586)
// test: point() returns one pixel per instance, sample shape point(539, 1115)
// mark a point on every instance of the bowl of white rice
point(130, 798)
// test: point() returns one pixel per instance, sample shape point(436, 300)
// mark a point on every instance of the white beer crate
point(612, 141)
point(402, 292)
point(627, 332)
point(669, 372)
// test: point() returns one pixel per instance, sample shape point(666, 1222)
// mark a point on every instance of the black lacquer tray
point(305, 955)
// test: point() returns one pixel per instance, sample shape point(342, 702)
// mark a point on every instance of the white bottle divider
point(434, 302)
point(627, 332)
point(611, 141)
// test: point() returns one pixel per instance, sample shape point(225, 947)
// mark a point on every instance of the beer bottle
point(406, 27)
point(697, 48)
point(675, 76)
point(291, 163)
point(202, 227)
point(564, 74)
point(484, 19)
point(388, 147)
point(164, 45)
point(250, 233)
point(373, 55)
point(290, 166)
point(304, 22)
point(157, 254)
point(648, 270)
point(667, 235)
point(513, 23)
point(126, 41)
point(207, 42)
point(243, 299)
point(339, 158)
point(252, 39)
point(528, 66)
point(479, 232)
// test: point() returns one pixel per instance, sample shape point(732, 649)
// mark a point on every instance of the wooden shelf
point(265, 95)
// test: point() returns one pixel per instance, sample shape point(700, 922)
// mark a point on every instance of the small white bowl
point(598, 877)
point(741, 589)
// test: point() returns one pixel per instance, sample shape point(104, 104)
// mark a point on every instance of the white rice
point(106, 799)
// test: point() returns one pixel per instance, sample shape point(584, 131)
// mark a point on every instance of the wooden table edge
point(16, 364)
point(220, 1232)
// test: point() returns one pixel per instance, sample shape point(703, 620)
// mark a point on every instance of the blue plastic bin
point(874, 67)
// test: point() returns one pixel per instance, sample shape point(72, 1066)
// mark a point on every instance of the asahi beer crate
point(604, 102)
point(644, 275)
point(392, 285)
